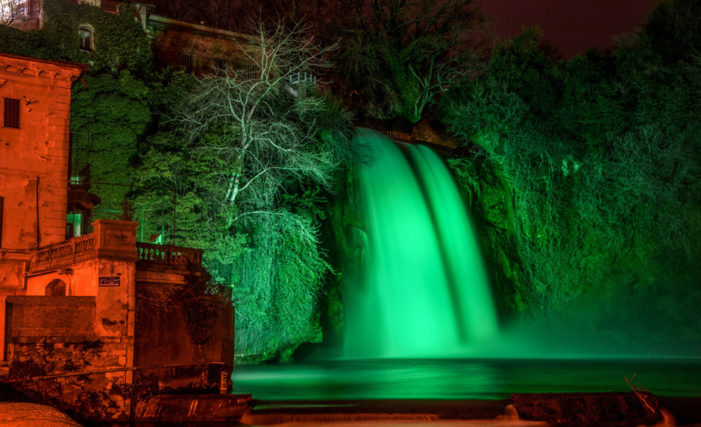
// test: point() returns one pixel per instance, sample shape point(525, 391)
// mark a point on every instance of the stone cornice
point(54, 73)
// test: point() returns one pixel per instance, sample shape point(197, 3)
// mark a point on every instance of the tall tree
point(401, 54)
point(259, 122)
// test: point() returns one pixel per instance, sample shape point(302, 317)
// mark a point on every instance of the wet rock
point(588, 408)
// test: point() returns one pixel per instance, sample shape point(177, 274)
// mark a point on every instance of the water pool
point(463, 378)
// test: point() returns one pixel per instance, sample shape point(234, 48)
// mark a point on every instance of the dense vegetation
point(243, 165)
point(119, 41)
point(583, 175)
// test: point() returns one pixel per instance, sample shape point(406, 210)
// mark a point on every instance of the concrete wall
point(94, 396)
point(61, 335)
point(34, 318)
point(58, 336)
point(115, 259)
point(94, 327)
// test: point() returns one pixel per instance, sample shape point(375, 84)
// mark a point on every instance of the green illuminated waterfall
point(417, 286)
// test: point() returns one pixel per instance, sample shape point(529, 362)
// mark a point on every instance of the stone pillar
point(115, 239)
point(115, 246)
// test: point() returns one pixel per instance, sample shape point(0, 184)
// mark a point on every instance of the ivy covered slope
point(118, 40)
point(586, 177)
point(112, 114)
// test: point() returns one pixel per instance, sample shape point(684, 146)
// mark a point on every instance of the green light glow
point(462, 378)
point(420, 289)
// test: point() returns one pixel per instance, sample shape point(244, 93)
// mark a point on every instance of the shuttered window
point(11, 113)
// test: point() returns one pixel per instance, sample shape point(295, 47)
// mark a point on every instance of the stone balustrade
point(63, 254)
point(113, 240)
point(168, 254)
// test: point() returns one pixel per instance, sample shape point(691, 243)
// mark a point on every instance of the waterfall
point(417, 286)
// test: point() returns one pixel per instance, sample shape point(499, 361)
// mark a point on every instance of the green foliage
point(587, 176)
point(242, 168)
point(119, 40)
point(401, 55)
point(111, 113)
point(674, 29)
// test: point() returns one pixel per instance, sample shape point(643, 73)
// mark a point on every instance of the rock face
point(101, 396)
point(587, 408)
point(32, 415)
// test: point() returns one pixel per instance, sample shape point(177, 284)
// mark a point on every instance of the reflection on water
point(462, 378)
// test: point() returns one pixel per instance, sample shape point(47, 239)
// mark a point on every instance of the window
point(218, 64)
point(74, 225)
point(86, 38)
point(31, 8)
point(11, 113)
point(188, 61)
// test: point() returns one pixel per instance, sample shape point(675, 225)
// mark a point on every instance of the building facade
point(87, 318)
point(197, 48)
point(35, 97)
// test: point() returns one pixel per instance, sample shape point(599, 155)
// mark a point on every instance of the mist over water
point(417, 285)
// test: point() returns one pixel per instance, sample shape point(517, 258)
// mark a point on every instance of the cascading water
point(419, 287)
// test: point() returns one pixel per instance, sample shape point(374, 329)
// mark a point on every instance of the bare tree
point(11, 10)
point(252, 158)
point(258, 124)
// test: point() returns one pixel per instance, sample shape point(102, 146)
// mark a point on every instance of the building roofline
point(216, 32)
point(64, 64)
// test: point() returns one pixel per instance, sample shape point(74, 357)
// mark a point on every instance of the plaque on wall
point(109, 281)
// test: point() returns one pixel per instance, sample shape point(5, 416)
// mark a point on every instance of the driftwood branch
point(639, 395)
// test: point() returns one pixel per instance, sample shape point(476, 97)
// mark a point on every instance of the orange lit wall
point(33, 158)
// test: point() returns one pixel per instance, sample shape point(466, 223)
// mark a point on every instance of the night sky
point(571, 26)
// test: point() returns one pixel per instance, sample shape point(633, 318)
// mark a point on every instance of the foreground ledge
point(33, 415)
point(177, 408)
point(577, 409)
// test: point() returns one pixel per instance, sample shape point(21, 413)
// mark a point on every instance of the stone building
point(193, 47)
point(198, 48)
point(35, 98)
point(105, 320)
point(22, 14)
point(92, 321)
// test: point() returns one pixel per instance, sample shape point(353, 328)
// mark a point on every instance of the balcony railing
point(114, 240)
point(63, 254)
point(168, 254)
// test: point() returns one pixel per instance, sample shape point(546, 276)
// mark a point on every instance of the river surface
point(463, 378)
